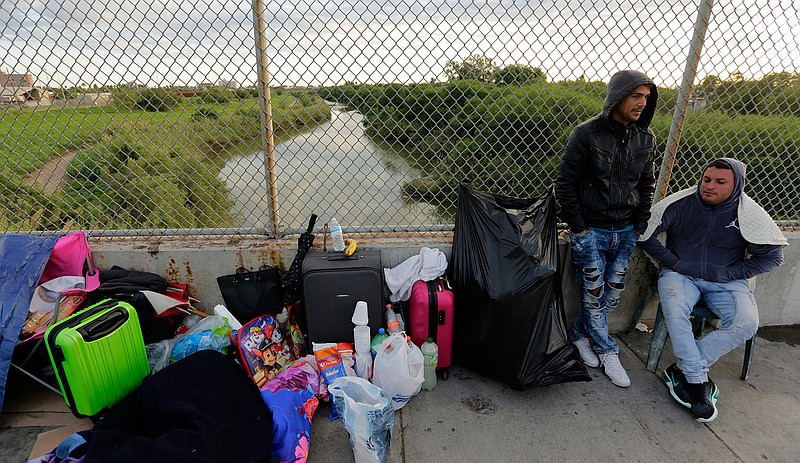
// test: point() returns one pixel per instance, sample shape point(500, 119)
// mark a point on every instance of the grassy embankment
point(509, 139)
point(133, 169)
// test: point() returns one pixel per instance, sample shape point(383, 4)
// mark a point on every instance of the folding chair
point(38, 339)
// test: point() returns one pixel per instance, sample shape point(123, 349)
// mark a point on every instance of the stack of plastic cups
point(362, 338)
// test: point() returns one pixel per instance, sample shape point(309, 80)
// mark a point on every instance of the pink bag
point(72, 256)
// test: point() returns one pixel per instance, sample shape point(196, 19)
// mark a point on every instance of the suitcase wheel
point(445, 373)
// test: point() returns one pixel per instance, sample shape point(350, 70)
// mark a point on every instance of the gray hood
point(622, 84)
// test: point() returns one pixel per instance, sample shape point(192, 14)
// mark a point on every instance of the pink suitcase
point(431, 315)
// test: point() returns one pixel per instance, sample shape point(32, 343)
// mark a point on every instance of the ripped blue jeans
point(600, 259)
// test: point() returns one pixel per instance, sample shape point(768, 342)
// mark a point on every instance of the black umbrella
point(292, 289)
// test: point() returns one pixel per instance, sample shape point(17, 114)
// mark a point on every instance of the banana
point(350, 246)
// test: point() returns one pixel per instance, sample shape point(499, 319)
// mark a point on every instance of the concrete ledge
point(199, 261)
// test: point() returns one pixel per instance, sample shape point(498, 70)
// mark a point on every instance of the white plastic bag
point(398, 369)
point(367, 415)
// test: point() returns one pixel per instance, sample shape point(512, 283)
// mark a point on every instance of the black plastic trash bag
point(510, 323)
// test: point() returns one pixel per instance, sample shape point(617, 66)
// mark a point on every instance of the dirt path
point(52, 176)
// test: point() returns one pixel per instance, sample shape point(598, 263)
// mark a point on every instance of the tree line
point(507, 136)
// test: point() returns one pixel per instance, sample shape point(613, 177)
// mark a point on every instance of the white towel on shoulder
point(755, 223)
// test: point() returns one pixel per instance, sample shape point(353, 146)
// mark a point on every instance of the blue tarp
point(22, 261)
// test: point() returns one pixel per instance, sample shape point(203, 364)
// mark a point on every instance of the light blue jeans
point(732, 302)
point(601, 263)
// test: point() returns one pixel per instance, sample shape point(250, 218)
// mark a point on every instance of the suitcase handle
point(103, 325)
point(340, 256)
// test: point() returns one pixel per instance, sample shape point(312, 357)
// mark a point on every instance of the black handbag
point(250, 294)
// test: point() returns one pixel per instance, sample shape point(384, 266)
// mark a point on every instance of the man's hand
point(715, 273)
point(687, 268)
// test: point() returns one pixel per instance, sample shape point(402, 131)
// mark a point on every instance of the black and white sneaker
point(704, 401)
point(678, 386)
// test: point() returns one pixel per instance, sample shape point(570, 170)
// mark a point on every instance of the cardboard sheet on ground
point(48, 440)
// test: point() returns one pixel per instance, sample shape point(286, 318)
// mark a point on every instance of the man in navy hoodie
point(714, 238)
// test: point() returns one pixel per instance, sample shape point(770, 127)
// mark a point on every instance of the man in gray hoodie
point(714, 238)
point(605, 189)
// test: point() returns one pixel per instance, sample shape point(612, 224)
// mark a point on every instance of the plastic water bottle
point(430, 355)
point(392, 323)
point(399, 315)
point(336, 235)
point(377, 340)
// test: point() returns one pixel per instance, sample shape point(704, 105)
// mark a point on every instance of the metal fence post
point(684, 95)
point(259, 10)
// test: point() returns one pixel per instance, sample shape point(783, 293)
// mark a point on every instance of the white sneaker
point(588, 355)
point(614, 370)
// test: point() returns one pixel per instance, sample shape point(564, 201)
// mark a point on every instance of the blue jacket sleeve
point(655, 249)
point(763, 258)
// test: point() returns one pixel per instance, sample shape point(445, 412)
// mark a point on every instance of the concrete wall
point(199, 262)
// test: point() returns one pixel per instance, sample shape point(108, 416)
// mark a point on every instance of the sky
point(315, 42)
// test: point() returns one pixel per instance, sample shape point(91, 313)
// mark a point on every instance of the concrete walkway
point(470, 418)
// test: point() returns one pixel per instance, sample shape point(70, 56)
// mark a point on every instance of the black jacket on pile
point(607, 179)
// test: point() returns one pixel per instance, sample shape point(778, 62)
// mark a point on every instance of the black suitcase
point(332, 284)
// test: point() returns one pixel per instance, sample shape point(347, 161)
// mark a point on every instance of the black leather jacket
point(606, 178)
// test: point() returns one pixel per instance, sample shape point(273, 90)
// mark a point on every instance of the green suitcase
point(98, 355)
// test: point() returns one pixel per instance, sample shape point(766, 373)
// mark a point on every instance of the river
point(334, 170)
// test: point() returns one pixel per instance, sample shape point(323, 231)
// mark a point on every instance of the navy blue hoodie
point(704, 241)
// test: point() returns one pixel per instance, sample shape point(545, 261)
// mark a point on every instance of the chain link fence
point(221, 117)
